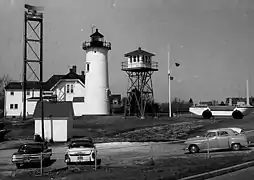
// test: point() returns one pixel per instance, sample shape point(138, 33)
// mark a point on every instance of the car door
point(211, 140)
point(223, 139)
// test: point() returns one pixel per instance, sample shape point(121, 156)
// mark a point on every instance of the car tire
point(237, 114)
point(207, 114)
point(46, 161)
point(18, 165)
point(236, 147)
point(193, 149)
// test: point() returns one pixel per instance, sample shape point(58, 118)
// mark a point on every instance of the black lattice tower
point(139, 67)
point(33, 52)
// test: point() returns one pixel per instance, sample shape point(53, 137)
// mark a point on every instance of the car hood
point(80, 150)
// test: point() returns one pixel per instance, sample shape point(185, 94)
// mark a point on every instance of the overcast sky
point(213, 40)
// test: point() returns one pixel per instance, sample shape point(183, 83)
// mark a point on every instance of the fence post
point(208, 148)
point(95, 160)
point(41, 163)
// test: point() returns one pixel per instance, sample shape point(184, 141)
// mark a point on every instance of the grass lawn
point(112, 126)
point(247, 123)
point(171, 168)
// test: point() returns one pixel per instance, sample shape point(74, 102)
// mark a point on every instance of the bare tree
point(3, 82)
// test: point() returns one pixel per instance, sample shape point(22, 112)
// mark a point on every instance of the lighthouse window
point(87, 67)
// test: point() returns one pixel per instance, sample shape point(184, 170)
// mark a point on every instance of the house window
point(28, 93)
point(68, 88)
point(130, 59)
point(16, 106)
point(72, 89)
point(12, 93)
point(134, 58)
point(11, 106)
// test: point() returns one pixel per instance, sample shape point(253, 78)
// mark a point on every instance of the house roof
point(54, 109)
point(18, 85)
point(46, 85)
point(138, 52)
point(73, 75)
point(115, 96)
point(52, 81)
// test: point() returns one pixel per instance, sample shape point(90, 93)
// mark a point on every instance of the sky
point(213, 40)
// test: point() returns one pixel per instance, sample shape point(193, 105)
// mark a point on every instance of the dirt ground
point(123, 157)
point(133, 158)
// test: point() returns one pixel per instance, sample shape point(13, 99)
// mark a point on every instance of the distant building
point(115, 99)
point(236, 100)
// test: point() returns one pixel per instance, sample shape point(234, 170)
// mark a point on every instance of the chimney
point(74, 69)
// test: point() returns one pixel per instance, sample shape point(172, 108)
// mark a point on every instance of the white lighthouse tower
point(97, 92)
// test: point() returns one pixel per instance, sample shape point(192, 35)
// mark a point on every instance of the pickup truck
point(31, 153)
point(223, 138)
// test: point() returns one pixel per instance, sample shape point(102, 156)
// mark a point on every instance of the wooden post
point(41, 164)
point(95, 160)
point(208, 148)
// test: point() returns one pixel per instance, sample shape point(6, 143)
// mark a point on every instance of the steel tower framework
point(33, 53)
point(140, 88)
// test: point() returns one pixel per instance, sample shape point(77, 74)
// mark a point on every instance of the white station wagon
point(80, 151)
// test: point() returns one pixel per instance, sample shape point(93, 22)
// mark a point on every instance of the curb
point(16, 146)
point(219, 172)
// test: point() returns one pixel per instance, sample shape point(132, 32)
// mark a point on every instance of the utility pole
point(169, 84)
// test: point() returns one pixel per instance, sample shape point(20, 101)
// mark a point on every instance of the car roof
point(82, 139)
point(235, 128)
point(220, 129)
point(34, 143)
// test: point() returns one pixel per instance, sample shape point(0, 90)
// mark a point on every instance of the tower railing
point(88, 44)
point(153, 65)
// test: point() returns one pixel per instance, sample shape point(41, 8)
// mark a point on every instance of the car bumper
point(23, 161)
point(79, 159)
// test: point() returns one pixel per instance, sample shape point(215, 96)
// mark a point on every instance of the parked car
point(223, 138)
point(31, 153)
point(80, 151)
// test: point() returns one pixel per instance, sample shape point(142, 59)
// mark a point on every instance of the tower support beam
point(33, 55)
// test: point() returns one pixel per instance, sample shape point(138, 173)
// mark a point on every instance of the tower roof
point(139, 51)
point(97, 34)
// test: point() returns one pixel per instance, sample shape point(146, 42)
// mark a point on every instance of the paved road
point(244, 174)
point(112, 154)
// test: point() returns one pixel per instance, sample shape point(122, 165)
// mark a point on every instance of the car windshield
point(30, 148)
point(81, 144)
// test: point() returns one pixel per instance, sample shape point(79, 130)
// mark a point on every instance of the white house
point(58, 120)
point(69, 87)
point(14, 98)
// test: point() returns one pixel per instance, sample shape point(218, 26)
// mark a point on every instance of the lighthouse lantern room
point(97, 91)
